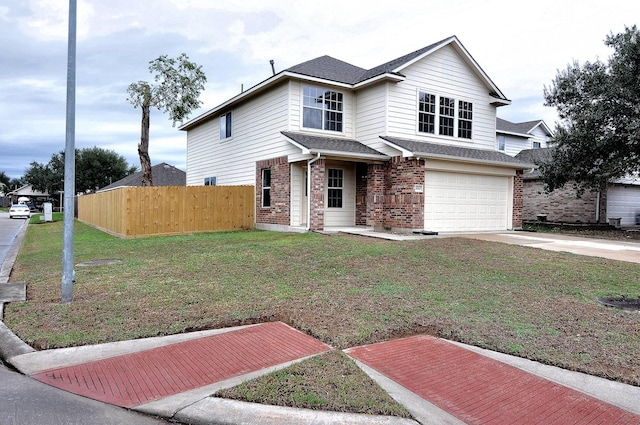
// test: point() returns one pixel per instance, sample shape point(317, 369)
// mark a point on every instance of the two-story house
point(408, 145)
point(512, 138)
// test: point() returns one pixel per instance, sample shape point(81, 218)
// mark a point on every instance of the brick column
point(316, 219)
point(517, 200)
point(404, 207)
point(375, 195)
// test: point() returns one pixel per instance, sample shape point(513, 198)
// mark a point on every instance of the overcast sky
point(520, 45)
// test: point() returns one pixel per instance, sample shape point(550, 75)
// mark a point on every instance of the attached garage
point(623, 201)
point(459, 202)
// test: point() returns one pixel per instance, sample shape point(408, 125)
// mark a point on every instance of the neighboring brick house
point(562, 205)
point(408, 145)
point(163, 175)
point(513, 137)
point(620, 202)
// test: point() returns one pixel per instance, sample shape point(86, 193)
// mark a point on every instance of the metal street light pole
point(68, 274)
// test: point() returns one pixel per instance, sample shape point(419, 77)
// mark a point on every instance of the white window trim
point(456, 117)
point(263, 187)
point(302, 107)
point(227, 130)
point(341, 188)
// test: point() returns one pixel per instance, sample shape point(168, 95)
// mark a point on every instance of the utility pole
point(68, 273)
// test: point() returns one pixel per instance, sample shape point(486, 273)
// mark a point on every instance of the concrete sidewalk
point(437, 380)
point(604, 248)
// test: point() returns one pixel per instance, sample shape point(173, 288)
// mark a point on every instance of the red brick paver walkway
point(480, 390)
point(138, 378)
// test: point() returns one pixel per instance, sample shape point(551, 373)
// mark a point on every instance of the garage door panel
point(623, 201)
point(465, 202)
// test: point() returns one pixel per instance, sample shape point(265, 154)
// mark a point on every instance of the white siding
point(371, 118)
point(255, 136)
point(345, 216)
point(441, 73)
point(297, 192)
point(513, 145)
point(295, 117)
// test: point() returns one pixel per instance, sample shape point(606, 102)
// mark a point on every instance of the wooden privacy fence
point(167, 210)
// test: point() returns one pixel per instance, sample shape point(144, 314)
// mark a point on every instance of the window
point(225, 126)
point(427, 113)
point(501, 140)
point(434, 109)
point(322, 109)
point(447, 113)
point(210, 181)
point(536, 145)
point(465, 113)
point(335, 185)
point(266, 188)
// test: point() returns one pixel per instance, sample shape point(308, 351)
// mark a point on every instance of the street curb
point(10, 345)
point(7, 264)
point(219, 411)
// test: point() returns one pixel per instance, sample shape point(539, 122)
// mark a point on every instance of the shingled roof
point(440, 151)
point(520, 128)
point(336, 145)
point(163, 175)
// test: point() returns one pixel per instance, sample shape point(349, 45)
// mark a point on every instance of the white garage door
point(624, 202)
point(465, 202)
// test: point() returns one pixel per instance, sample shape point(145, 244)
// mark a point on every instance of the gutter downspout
point(309, 162)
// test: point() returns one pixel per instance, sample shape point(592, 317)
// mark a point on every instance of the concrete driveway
point(605, 248)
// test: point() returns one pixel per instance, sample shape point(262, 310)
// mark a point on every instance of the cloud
point(521, 49)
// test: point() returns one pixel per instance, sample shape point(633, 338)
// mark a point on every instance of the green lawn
point(344, 290)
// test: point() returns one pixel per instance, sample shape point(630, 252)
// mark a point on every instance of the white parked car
point(19, 211)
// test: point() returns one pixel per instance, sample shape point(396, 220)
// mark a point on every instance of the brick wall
point(561, 205)
point(279, 211)
point(403, 207)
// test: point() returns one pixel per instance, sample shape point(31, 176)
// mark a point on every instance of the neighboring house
point(511, 138)
point(621, 200)
point(163, 175)
point(27, 191)
point(562, 205)
point(408, 145)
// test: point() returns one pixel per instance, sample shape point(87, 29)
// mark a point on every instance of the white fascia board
point(512, 133)
point(395, 78)
point(453, 158)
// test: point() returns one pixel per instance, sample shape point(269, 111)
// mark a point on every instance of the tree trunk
point(143, 147)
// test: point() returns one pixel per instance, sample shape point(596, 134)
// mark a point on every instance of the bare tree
point(176, 88)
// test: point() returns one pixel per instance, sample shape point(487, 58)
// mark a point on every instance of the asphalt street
point(8, 231)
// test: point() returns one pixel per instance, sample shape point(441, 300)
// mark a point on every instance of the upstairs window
point(536, 145)
point(443, 110)
point(447, 114)
point(334, 188)
point(501, 140)
point(266, 188)
point(225, 126)
point(427, 113)
point(322, 109)
point(465, 115)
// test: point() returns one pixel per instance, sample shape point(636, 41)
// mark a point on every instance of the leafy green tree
point(178, 84)
point(598, 138)
point(95, 168)
point(4, 179)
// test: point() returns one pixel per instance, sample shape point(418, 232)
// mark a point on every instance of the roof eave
point(387, 76)
point(517, 166)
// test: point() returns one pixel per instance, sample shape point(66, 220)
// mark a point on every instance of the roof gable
point(523, 129)
point(334, 71)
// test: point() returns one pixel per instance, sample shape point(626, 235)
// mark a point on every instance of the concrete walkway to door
point(605, 248)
